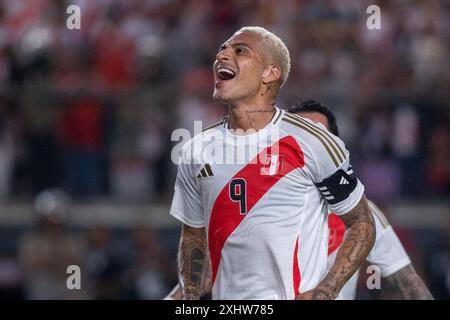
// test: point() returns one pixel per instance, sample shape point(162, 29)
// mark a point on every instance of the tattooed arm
point(175, 294)
point(192, 261)
point(353, 251)
point(409, 284)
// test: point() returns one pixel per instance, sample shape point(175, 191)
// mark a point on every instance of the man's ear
point(271, 74)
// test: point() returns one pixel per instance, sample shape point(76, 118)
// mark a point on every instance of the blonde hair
point(278, 50)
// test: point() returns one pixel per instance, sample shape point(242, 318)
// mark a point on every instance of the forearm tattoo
point(207, 283)
point(193, 260)
point(409, 285)
point(205, 288)
point(354, 249)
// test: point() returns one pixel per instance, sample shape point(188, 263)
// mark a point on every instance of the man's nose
point(223, 55)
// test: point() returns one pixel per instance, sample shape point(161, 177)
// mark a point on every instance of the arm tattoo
point(176, 294)
point(409, 284)
point(354, 250)
point(207, 285)
point(193, 259)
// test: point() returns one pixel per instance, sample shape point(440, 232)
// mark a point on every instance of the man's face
point(315, 117)
point(239, 67)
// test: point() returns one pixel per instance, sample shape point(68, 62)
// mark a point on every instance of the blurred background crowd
point(91, 112)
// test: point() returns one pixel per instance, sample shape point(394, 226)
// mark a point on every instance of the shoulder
point(193, 148)
point(379, 217)
point(315, 138)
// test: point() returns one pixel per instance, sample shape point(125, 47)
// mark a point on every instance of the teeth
point(226, 71)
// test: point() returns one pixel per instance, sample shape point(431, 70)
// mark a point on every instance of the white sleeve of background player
point(388, 252)
point(328, 165)
point(187, 205)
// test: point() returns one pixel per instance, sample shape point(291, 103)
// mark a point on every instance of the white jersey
point(387, 253)
point(261, 200)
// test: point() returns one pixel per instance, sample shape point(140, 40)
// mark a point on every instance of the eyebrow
point(239, 44)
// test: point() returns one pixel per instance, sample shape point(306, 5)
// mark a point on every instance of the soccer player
point(256, 189)
point(387, 253)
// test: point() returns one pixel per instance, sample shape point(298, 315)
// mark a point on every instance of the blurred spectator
point(49, 249)
point(114, 52)
point(136, 145)
point(438, 165)
point(82, 138)
point(151, 271)
point(6, 153)
point(438, 265)
point(42, 155)
point(105, 264)
point(195, 102)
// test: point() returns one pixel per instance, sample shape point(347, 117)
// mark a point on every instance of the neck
point(250, 116)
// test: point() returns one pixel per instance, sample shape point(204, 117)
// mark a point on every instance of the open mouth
point(225, 74)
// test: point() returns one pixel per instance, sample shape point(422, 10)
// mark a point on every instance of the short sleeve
point(187, 204)
point(328, 165)
point(387, 253)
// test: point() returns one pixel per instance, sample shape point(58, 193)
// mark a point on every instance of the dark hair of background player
point(316, 106)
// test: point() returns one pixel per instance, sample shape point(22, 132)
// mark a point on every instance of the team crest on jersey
point(272, 164)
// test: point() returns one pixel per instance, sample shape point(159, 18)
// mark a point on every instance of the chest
point(274, 172)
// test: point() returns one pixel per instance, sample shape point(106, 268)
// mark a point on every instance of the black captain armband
point(339, 186)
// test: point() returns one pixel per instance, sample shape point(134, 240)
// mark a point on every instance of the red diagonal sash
point(225, 214)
